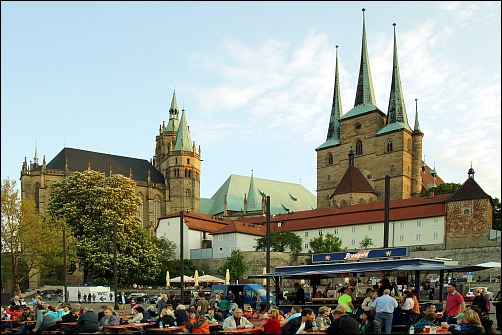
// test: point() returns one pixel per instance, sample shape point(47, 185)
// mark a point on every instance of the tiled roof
point(469, 190)
point(201, 222)
point(78, 161)
point(353, 181)
point(243, 228)
point(360, 110)
point(428, 179)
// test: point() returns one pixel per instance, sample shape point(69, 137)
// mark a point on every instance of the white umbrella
point(186, 279)
point(210, 279)
point(196, 278)
point(264, 279)
point(227, 277)
point(168, 279)
point(489, 265)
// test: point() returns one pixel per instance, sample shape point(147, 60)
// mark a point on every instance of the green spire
point(173, 123)
point(252, 203)
point(364, 93)
point(397, 110)
point(336, 108)
point(416, 128)
point(183, 140)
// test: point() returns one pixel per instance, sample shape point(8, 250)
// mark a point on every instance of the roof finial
point(470, 173)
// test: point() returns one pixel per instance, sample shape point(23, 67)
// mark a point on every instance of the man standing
point(299, 294)
point(230, 296)
point(346, 299)
point(454, 304)
point(498, 309)
point(202, 304)
point(384, 307)
point(342, 324)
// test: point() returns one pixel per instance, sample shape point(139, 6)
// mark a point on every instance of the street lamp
point(268, 252)
point(115, 264)
point(65, 299)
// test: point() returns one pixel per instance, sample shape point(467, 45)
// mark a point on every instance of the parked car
point(137, 296)
point(471, 294)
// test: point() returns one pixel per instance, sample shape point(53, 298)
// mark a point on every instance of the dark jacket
point(344, 325)
point(291, 327)
point(479, 301)
point(373, 327)
point(181, 316)
point(168, 321)
point(471, 329)
point(88, 322)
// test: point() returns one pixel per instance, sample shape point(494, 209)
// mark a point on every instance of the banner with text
point(361, 254)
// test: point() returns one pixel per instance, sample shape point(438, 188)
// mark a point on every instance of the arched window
point(37, 197)
point(466, 212)
point(344, 203)
point(330, 159)
point(187, 193)
point(359, 147)
point(156, 209)
point(140, 212)
point(389, 146)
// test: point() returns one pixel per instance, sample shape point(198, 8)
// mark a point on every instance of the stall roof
point(407, 264)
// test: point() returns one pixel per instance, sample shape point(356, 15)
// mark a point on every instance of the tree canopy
point(444, 188)
point(325, 243)
point(91, 204)
point(236, 264)
point(280, 241)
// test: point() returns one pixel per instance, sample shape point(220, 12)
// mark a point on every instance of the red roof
point(353, 181)
point(242, 227)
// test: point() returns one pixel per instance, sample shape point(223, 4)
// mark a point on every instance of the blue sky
point(255, 78)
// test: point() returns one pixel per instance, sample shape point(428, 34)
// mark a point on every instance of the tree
point(366, 242)
point(325, 243)
point(444, 188)
point(280, 241)
point(91, 203)
point(496, 213)
point(166, 249)
point(25, 252)
point(236, 265)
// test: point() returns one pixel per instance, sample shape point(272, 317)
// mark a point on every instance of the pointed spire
point(364, 93)
point(174, 111)
point(183, 140)
point(336, 107)
point(397, 110)
point(252, 202)
point(470, 173)
point(35, 159)
point(416, 128)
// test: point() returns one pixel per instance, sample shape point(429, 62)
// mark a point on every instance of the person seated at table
point(428, 308)
point(271, 325)
point(485, 322)
point(138, 315)
point(45, 321)
point(88, 321)
point(368, 323)
point(461, 325)
point(471, 318)
point(322, 320)
point(181, 315)
point(342, 324)
point(70, 317)
point(196, 323)
point(108, 320)
point(236, 321)
point(211, 317)
point(152, 312)
point(427, 320)
point(296, 311)
point(26, 315)
point(101, 313)
point(303, 323)
point(167, 318)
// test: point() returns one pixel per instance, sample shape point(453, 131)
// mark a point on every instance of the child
point(258, 303)
point(460, 326)
point(133, 304)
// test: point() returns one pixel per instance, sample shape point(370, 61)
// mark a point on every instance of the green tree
point(91, 204)
point(366, 242)
point(325, 243)
point(166, 249)
point(444, 188)
point(25, 252)
point(280, 241)
point(496, 214)
point(236, 264)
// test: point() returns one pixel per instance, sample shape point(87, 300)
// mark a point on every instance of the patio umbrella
point(264, 279)
point(210, 279)
point(196, 278)
point(168, 279)
point(227, 277)
point(490, 265)
point(186, 279)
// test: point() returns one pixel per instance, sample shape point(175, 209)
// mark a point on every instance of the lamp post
point(65, 289)
point(182, 270)
point(268, 252)
point(115, 264)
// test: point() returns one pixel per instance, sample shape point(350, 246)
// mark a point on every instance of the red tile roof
point(202, 222)
point(353, 181)
point(242, 227)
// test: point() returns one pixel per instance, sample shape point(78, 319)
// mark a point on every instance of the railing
point(201, 253)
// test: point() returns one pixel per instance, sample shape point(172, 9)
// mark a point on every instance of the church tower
point(178, 159)
point(384, 143)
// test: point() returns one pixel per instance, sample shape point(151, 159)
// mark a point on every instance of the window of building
point(329, 177)
point(232, 248)
point(436, 222)
point(140, 212)
point(279, 224)
point(402, 225)
point(401, 238)
point(359, 148)
point(320, 231)
point(353, 229)
point(306, 234)
point(466, 212)
point(357, 126)
point(306, 246)
point(156, 209)
point(220, 250)
point(220, 237)
point(370, 227)
point(353, 242)
point(419, 223)
point(188, 161)
point(389, 146)
point(176, 160)
point(232, 236)
point(336, 230)
point(187, 193)
point(418, 237)
point(392, 168)
point(330, 159)
point(409, 145)
point(435, 236)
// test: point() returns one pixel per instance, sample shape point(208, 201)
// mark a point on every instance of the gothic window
point(466, 212)
point(330, 159)
point(156, 209)
point(140, 212)
point(37, 197)
point(389, 146)
point(187, 193)
point(320, 231)
point(344, 203)
point(361, 201)
point(359, 148)
point(188, 161)
point(176, 160)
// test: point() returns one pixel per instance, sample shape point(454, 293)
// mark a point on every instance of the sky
point(255, 79)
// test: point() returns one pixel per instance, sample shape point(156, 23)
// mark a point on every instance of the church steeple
point(416, 128)
point(336, 108)
point(172, 125)
point(252, 203)
point(183, 140)
point(35, 159)
point(397, 111)
point(364, 93)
